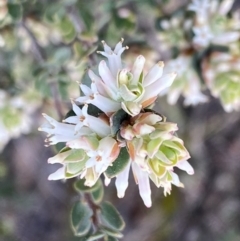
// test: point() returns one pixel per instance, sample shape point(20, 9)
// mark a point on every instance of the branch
point(36, 48)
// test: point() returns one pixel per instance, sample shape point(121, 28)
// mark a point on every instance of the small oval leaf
point(116, 120)
point(111, 233)
point(109, 238)
point(79, 186)
point(97, 195)
point(81, 218)
point(76, 155)
point(96, 236)
point(119, 164)
point(15, 10)
point(111, 216)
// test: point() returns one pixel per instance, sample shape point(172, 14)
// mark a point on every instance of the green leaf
point(111, 216)
point(96, 236)
point(109, 238)
point(67, 30)
point(81, 218)
point(62, 55)
point(80, 187)
point(116, 120)
point(119, 164)
point(76, 155)
point(93, 110)
point(97, 195)
point(64, 149)
point(75, 167)
point(41, 84)
point(63, 87)
point(60, 147)
point(111, 233)
point(15, 10)
point(69, 113)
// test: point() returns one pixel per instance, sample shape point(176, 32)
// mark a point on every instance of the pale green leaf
point(75, 167)
point(76, 155)
point(81, 218)
point(96, 236)
point(111, 216)
point(111, 233)
point(97, 195)
point(79, 186)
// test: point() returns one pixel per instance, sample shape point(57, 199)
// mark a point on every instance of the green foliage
point(75, 156)
point(111, 216)
point(97, 194)
point(105, 219)
point(96, 236)
point(119, 164)
point(80, 218)
point(80, 187)
point(116, 120)
point(110, 238)
point(15, 10)
point(110, 232)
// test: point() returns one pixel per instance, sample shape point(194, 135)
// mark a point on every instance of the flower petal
point(185, 166)
point(122, 181)
point(106, 75)
point(155, 88)
point(143, 184)
point(137, 69)
point(154, 73)
point(58, 175)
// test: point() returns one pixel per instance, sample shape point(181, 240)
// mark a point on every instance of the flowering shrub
point(112, 127)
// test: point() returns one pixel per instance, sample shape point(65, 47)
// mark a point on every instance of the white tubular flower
point(223, 79)
point(122, 181)
point(203, 35)
point(60, 132)
point(114, 131)
point(114, 57)
point(102, 157)
point(187, 82)
point(212, 25)
point(58, 175)
point(97, 125)
point(154, 152)
point(199, 6)
point(142, 179)
point(92, 96)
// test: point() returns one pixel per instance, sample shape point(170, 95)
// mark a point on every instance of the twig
point(37, 50)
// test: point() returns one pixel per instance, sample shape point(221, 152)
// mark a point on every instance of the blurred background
point(46, 46)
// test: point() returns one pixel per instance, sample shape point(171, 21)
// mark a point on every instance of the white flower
point(60, 132)
point(199, 6)
point(104, 155)
point(92, 96)
point(203, 35)
point(97, 125)
point(142, 179)
point(187, 82)
point(212, 25)
point(121, 87)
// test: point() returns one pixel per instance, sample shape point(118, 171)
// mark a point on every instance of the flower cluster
point(113, 128)
point(212, 24)
point(15, 115)
point(187, 82)
point(223, 79)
